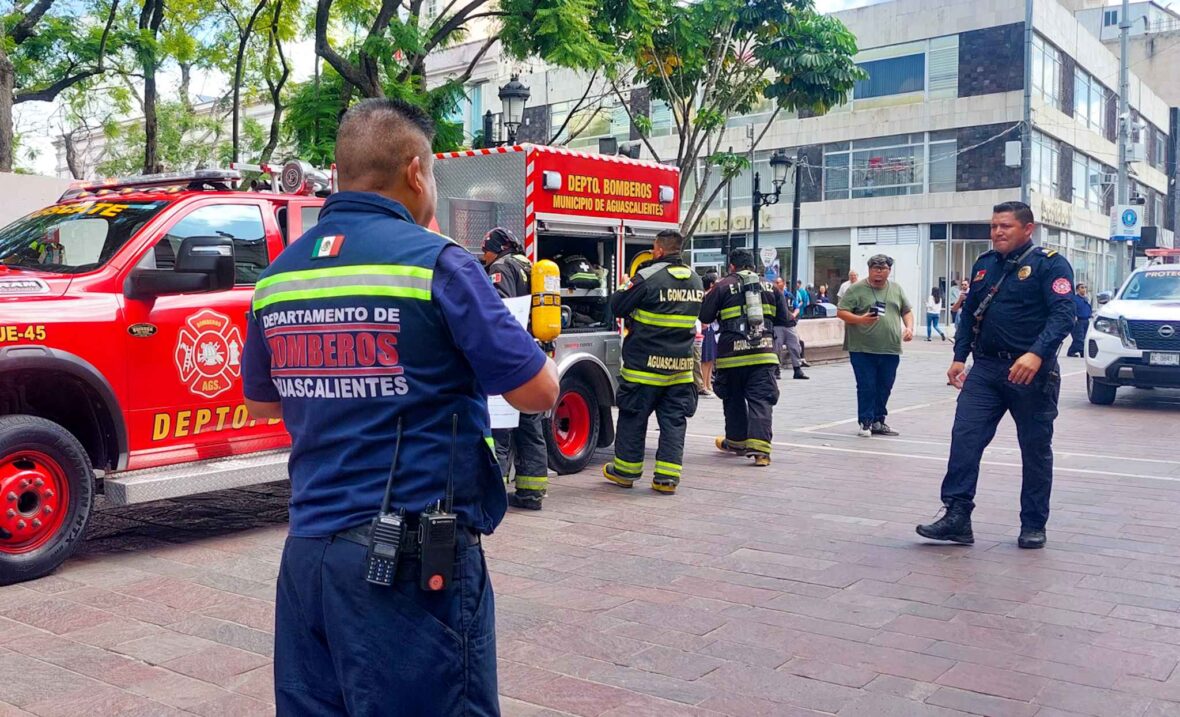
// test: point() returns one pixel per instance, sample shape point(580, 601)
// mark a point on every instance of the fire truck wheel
point(572, 432)
point(46, 494)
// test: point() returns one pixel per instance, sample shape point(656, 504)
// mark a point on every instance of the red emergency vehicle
point(122, 322)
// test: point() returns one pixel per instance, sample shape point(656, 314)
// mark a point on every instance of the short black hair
point(742, 258)
point(377, 137)
point(671, 241)
point(1023, 212)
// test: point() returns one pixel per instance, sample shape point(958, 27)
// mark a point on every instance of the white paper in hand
point(502, 414)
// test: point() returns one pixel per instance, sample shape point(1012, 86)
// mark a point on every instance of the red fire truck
point(122, 313)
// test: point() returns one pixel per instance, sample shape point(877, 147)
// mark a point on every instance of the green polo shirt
point(883, 336)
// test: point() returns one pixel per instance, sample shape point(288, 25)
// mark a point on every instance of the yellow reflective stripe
point(673, 321)
point(769, 309)
point(746, 360)
point(491, 444)
point(648, 378)
point(628, 467)
point(411, 282)
point(666, 468)
point(531, 482)
point(731, 312)
point(756, 445)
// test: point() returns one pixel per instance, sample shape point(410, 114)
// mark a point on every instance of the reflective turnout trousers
point(748, 395)
point(525, 445)
point(673, 405)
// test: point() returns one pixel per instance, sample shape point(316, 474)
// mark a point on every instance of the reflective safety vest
point(661, 306)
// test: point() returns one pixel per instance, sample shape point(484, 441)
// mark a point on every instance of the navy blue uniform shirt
point(1083, 308)
point(1032, 312)
point(383, 320)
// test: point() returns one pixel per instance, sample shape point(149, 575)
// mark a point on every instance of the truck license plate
point(1163, 359)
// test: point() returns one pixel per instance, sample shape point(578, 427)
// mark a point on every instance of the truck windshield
point(73, 238)
point(1153, 285)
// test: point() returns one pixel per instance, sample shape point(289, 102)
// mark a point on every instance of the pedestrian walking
point(934, 313)
point(511, 274)
point(367, 620)
point(747, 308)
point(786, 336)
point(660, 306)
point(802, 297)
point(708, 340)
point(852, 279)
point(1019, 311)
point(964, 289)
point(1084, 312)
point(877, 318)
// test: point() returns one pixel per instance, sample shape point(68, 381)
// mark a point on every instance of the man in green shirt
point(874, 311)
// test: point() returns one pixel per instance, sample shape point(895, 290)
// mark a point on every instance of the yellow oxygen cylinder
point(545, 318)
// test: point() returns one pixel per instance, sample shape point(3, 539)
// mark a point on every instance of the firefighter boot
point(728, 446)
point(761, 461)
point(609, 472)
point(953, 526)
point(527, 499)
point(666, 486)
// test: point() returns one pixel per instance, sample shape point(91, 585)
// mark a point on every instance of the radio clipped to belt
point(435, 539)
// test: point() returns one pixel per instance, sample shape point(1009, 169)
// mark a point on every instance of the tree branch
point(577, 106)
point(23, 29)
point(323, 48)
point(48, 94)
point(462, 79)
point(631, 116)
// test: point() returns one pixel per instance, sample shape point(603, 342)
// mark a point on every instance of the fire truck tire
point(572, 432)
point(46, 495)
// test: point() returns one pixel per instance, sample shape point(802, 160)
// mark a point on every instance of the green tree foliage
point(713, 60)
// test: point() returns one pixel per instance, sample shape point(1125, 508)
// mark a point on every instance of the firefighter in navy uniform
point(747, 308)
point(1019, 310)
point(660, 307)
point(511, 271)
point(367, 332)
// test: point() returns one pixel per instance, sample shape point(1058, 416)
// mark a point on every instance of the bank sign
point(1126, 222)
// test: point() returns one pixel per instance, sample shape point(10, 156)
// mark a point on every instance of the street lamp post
point(779, 162)
point(513, 97)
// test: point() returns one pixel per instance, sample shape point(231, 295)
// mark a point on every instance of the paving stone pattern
point(789, 591)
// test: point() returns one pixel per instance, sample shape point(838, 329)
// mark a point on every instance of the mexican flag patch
point(328, 246)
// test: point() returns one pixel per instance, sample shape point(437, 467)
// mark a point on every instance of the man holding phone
point(877, 318)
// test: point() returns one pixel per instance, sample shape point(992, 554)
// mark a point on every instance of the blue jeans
point(875, 374)
point(987, 395)
point(346, 647)
point(932, 325)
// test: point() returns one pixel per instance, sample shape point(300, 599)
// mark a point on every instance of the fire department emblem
point(209, 353)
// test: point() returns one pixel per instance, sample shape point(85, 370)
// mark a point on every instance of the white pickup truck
point(1134, 339)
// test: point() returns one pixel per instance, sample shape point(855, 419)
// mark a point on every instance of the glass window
point(943, 66)
point(1110, 18)
point(240, 222)
point(74, 237)
point(309, 217)
point(887, 171)
point(662, 122)
point(1079, 180)
point(1045, 158)
point(836, 180)
point(943, 162)
point(892, 76)
point(1046, 79)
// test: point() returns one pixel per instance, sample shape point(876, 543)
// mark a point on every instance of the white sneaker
point(866, 430)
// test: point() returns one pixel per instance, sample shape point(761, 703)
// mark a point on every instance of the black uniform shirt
point(510, 275)
point(728, 293)
point(1032, 312)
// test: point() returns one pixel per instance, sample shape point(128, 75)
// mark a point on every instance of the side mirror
point(203, 264)
point(1104, 297)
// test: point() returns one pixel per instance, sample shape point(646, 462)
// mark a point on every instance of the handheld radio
point(437, 528)
point(387, 533)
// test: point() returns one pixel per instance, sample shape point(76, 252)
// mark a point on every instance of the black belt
point(360, 536)
point(1001, 355)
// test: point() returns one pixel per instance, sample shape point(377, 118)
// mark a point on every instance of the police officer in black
point(748, 309)
point(659, 306)
point(511, 274)
point(1018, 312)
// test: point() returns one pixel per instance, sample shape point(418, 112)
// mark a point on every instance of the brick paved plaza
point(795, 590)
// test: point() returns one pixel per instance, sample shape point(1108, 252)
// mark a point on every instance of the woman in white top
point(933, 312)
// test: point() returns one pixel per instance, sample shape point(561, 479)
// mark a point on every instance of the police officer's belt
point(1001, 355)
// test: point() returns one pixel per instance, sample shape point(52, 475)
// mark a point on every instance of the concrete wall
point(24, 193)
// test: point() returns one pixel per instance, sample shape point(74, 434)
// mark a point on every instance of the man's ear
point(414, 176)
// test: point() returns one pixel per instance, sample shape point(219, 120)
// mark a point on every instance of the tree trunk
point(67, 140)
point(239, 65)
point(7, 86)
point(276, 87)
point(186, 76)
point(150, 19)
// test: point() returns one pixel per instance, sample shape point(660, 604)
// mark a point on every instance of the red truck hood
point(17, 285)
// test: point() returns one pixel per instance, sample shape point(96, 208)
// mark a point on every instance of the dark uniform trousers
point(987, 394)
point(351, 648)
point(748, 395)
point(525, 446)
point(1078, 334)
point(673, 406)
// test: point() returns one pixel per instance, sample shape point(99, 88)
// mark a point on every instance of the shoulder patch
point(1048, 252)
point(979, 275)
point(1062, 286)
point(327, 247)
point(497, 278)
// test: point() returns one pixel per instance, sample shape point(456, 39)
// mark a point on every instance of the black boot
point(954, 525)
point(1031, 538)
point(799, 374)
point(527, 499)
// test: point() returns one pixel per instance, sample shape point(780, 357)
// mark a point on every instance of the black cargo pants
point(748, 395)
point(530, 454)
point(673, 406)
